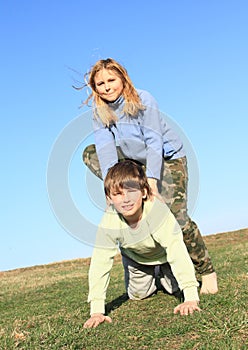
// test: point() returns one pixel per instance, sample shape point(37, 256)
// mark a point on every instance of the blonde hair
point(126, 174)
point(132, 104)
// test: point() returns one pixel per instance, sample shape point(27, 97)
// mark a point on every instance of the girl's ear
point(144, 196)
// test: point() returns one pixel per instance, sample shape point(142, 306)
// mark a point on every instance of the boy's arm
point(169, 236)
point(99, 277)
point(183, 269)
point(99, 272)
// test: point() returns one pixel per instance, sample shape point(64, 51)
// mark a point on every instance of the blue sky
point(191, 55)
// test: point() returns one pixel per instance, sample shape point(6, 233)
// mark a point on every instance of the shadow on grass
point(114, 304)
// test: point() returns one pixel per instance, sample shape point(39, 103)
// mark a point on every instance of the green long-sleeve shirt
point(157, 239)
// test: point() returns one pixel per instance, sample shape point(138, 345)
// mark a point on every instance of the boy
point(149, 238)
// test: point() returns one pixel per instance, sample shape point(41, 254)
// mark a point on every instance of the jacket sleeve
point(105, 146)
point(153, 136)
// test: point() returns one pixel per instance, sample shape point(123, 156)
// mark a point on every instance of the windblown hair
point(132, 100)
point(126, 174)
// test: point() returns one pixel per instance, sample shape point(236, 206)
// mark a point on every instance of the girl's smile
point(108, 85)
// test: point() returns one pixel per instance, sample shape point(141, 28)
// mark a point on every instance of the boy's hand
point(95, 320)
point(188, 307)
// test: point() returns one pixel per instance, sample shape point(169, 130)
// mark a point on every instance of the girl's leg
point(90, 159)
point(173, 188)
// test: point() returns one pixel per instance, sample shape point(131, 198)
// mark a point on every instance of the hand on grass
point(186, 308)
point(95, 320)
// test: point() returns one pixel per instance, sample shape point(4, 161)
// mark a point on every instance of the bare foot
point(209, 284)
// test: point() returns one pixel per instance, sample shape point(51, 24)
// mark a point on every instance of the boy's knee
point(142, 292)
point(139, 295)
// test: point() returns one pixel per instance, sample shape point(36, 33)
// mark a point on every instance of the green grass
point(44, 307)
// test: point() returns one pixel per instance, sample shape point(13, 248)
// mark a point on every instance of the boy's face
point(128, 202)
point(108, 85)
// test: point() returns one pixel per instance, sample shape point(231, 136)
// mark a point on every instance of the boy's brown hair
point(126, 174)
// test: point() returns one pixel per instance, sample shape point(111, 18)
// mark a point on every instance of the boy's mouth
point(127, 207)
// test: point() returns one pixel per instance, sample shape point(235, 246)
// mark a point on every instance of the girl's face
point(108, 84)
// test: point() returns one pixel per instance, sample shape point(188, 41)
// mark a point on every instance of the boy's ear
point(144, 196)
point(109, 200)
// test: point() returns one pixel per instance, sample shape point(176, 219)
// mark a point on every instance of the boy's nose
point(126, 197)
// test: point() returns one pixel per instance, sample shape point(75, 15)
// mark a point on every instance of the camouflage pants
point(173, 188)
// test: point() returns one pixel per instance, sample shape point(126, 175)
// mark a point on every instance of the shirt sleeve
point(100, 266)
point(105, 146)
point(99, 277)
point(170, 237)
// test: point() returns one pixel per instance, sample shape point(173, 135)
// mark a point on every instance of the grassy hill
point(44, 307)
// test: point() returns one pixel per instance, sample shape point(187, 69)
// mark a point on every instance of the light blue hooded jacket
point(146, 137)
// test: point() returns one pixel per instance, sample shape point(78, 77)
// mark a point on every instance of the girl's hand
point(96, 319)
point(153, 184)
point(186, 308)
